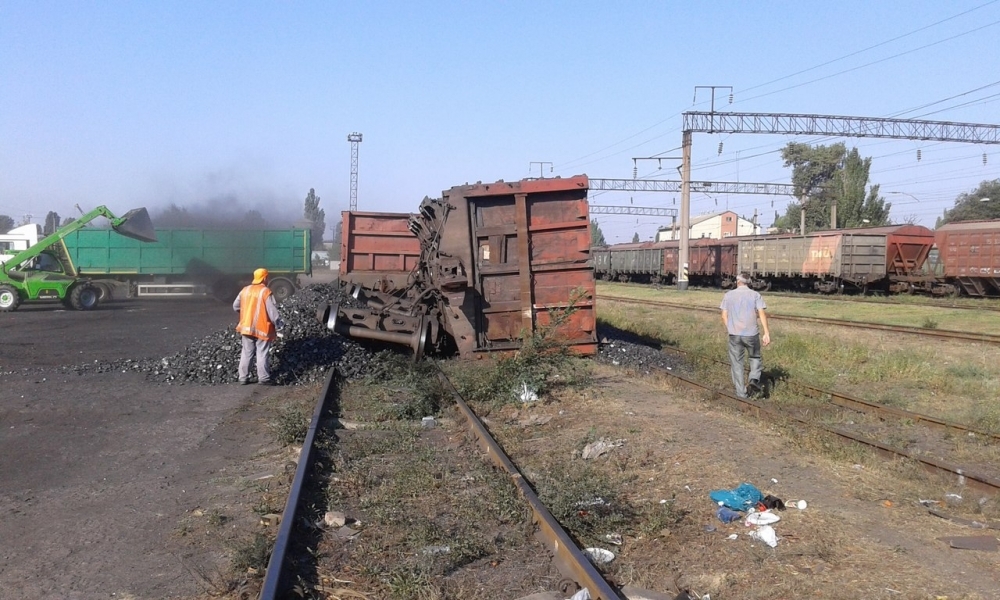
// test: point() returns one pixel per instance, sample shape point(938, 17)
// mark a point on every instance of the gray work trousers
point(262, 348)
point(738, 345)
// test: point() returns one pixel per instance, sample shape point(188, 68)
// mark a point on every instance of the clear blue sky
point(240, 105)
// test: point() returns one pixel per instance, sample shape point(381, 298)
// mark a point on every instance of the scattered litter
point(887, 503)
point(766, 534)
point(270, 520)
point(773, 480)
point(614, 538)
point(528, 394)
point(597, 501)
point(432, 550)
point(732, 536)
point(762, 518)
point(727, 515)
point(583, 594)
point(986, 543)
point(710, 529)
point(743, 497)
point(799, 504)
point(857, 467)
point(599, 556)
point(772, 502)
point(346, 533)
point(428, 422)
point(334, 519)
point(600, 447)
point(928, 502)
point(953, 499)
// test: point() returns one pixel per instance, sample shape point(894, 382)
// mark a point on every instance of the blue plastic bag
point(743, 497)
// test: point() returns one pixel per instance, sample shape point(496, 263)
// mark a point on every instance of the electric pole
point(541, 168)
point(354, 139)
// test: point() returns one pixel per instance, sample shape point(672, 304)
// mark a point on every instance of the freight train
point(958, 258)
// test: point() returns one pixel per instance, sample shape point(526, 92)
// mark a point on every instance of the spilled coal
point(302, 356)
point(307, 350)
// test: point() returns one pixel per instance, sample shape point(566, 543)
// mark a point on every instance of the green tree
point(981, 204)
point(51, 223)
point(317, 216)
point(826, 175)
point(596, 235)
point(855, 208)
point(635, 237)
point(6, 223)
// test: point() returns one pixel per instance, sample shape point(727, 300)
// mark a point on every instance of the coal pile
point(626, 349)
point(302, 356)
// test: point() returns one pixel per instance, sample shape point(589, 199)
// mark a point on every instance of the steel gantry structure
point(804, 124)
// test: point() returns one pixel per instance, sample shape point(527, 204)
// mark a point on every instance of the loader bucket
point(136, 225)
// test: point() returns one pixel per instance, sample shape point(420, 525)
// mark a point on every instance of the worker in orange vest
point(259, 320)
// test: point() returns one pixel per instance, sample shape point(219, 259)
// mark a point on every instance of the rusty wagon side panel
point(531, 246)
point(970, 253)
point(377, 250)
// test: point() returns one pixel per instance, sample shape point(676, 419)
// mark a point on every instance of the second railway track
point(921, 331)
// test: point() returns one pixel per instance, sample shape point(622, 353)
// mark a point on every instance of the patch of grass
point(407, 584)
point(252, 554)
point(290, 426)
point(929, 323)
point(586, 501)
point(407, 390)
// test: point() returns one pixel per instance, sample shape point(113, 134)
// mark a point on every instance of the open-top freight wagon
point(969, 256)
point(710, 262)
point(497, 262)
point(188, 262)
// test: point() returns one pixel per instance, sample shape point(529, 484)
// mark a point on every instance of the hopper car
point(891, 259)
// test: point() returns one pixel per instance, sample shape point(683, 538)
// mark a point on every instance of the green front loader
point(45, 271)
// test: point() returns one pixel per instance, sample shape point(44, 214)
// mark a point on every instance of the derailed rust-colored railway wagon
point(889, 258)
point(530, 252)
point(970, 255)
point(495, 261)
point(377, 249)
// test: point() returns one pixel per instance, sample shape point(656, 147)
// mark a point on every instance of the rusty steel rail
point(861, 405)
point(569, 559)
point(932, 465)
point(275, 575)
point(939, 333)
point(886, 302)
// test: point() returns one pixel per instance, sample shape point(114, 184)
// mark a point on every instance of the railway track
point(858, 404)
point(579, 572)
point(889, 301)
point(961, 475)
point(935, 333)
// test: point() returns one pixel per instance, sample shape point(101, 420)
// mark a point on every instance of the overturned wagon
point(497, 261)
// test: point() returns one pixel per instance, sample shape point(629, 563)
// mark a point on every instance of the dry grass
point(952, 380)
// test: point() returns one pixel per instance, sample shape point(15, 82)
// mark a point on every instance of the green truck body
point(187, 262)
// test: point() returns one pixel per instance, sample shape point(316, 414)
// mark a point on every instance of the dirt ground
point(115, 488)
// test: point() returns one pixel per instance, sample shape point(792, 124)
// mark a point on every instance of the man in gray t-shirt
point(740, 309)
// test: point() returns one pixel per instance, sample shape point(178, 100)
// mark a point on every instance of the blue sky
point(232, 106)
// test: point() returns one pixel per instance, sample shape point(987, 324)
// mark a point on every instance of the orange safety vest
point(253, 314)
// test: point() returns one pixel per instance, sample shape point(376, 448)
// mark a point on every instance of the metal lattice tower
point(355, 139)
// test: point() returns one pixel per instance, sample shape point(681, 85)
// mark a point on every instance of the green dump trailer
point(191, 262)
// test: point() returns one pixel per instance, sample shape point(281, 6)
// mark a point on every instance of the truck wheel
point(103, 292)
point(84, 297)
point(9, 298)
point(281, 289)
